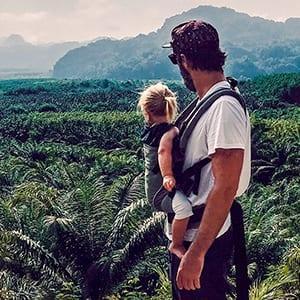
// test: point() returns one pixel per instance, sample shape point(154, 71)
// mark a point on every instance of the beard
point(187, 79)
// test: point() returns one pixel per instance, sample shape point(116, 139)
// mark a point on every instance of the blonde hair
point(159, 100)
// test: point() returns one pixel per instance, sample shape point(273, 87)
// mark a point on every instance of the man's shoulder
point(227, 104)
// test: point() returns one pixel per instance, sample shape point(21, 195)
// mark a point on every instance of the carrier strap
point(194, 170)
point(201, 108)
point(185, 113)
point(185, 117)
point(240, 254)
point(196, 111)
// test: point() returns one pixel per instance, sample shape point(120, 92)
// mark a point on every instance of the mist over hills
point(254, 46)
point(21, 58)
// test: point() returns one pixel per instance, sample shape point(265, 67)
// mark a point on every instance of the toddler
point(159, 107)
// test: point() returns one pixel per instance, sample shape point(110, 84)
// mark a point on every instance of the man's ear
point(185, 62)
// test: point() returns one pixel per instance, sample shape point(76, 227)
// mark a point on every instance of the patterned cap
point(193, 37)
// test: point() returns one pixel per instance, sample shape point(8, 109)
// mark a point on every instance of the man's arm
point(226, 168)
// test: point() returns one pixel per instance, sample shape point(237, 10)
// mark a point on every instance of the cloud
point(25, 6)
point(22, 17)
point(57, 20)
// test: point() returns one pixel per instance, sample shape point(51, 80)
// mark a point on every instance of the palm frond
point(147, 236)
point(127, 216)
point(14, 288)
point(31, 249)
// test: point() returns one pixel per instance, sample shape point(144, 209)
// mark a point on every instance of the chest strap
point(187, 184)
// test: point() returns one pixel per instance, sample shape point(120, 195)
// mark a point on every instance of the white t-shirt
point(223, 125)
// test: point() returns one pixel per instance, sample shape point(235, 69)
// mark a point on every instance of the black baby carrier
point(188, 180)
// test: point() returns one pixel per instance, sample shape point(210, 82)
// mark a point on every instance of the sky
point(41, 21)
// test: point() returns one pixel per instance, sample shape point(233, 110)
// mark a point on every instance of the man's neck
point(203, 81)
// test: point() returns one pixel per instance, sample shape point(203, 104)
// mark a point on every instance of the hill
point(254, 46)
point(20, 58)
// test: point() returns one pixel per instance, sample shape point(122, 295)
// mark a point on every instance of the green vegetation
point(72, 191)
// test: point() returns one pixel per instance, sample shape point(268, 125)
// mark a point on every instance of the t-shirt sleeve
point(226, 126)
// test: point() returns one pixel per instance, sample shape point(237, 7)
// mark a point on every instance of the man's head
point(195, 46)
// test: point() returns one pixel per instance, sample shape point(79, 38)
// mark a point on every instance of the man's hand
point(169, 182)
point(189, 271)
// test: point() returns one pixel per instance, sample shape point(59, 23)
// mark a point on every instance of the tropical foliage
point(73, 215)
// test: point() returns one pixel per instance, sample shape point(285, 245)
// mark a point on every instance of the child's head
point(158, 101)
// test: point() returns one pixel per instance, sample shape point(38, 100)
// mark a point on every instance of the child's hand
point(169, 182)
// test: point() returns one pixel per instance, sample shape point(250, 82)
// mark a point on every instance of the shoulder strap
point(203, 106)
point(185, 113)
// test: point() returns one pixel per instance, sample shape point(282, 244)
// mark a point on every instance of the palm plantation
point(74, 219)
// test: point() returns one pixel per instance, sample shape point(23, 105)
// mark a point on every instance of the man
point(222, 134)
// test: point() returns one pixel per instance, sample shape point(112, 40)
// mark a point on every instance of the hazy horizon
point(82, 20)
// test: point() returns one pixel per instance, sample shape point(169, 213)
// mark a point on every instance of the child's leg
point(183, 210)
point(178, 230)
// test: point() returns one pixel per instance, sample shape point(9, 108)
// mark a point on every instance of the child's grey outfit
point(151, 137)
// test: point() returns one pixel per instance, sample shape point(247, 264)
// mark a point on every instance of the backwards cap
point(193, 37)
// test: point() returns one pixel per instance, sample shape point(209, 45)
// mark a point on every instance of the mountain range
point(20, 58)
point(254, 46)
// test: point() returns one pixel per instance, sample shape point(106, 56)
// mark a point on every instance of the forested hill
point(255, 46)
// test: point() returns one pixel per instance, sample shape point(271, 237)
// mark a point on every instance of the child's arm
point(165, 157)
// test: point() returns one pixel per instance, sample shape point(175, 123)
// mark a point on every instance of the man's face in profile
point(187, 78)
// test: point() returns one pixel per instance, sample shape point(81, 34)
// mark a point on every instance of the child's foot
point(178, 250)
